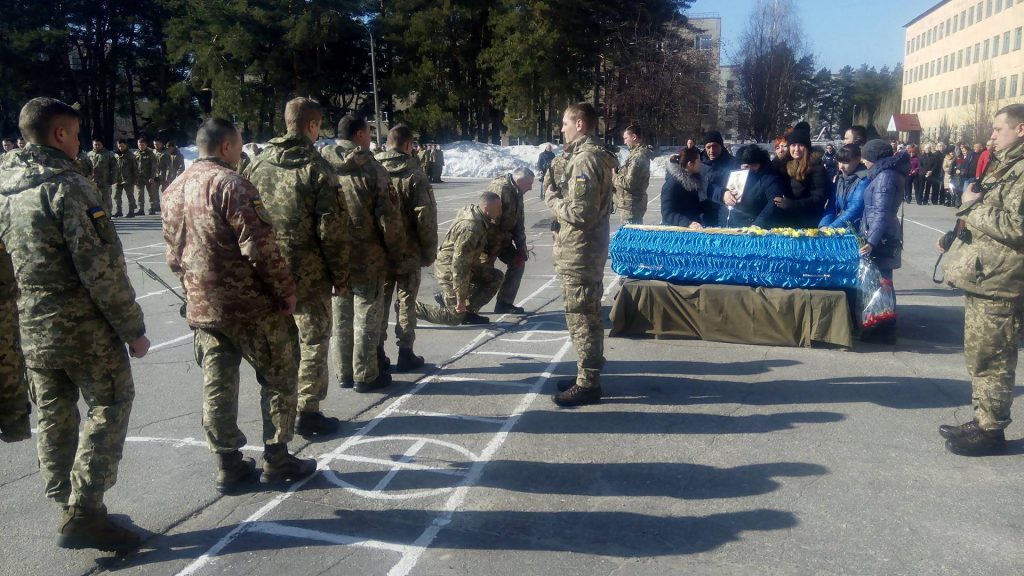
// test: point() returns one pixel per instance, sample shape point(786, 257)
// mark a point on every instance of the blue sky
point(870, 32)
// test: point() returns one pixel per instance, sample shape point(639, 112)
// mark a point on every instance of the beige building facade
point(963, 61)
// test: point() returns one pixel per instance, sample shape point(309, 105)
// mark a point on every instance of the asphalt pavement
point(703, 458)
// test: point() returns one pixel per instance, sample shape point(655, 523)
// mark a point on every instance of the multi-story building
point(963, 61)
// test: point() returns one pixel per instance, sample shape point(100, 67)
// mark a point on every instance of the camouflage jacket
point(300, 191)
point(222, 247)
point(463, 247)
point(124, 168)
point(424, 157)
point(84, 165)
point(176, 165)
point(104, 168)
point(163, 165)
point(145, 166)
point(75, 302)
point(582, 206)
point(989, 261)
point(511, 227)
point(633, 177)
point(419, 210)
point(374, 211)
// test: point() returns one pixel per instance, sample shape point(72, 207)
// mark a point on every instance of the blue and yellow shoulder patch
point(96, 212)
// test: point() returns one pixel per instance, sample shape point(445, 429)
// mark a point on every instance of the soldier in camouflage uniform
point(438, 159)
point(507, 240)
point(419, 218)
point(163, 164)
point(581, 203)
point(14, 406)
point(300, 191)
point(632, 179)
point(425, 162)
point(986, 261)
point(77, 312)
point(175, 163)
point(104, 171)
point(83, 164)
point(146, 182)
point(124, 178)
point(466, 282)
point(376, 230)
point(241, 297)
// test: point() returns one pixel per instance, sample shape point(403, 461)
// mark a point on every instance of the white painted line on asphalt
point(148, 294)
point(146, 246)
point(514, 354)
point(403, 465)
point(182, 442)
point(924, 225)
point(453, 416)
point(405, 459)
point(177, 340)
point(455, 501)
point(275, 529)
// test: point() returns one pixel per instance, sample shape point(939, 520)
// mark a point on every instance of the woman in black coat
point(804, 204)
point(681, 202)
point(755, 204)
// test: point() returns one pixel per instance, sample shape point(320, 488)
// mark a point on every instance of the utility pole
point(373, 71)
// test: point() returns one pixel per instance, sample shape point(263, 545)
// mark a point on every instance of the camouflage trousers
point(991, 330)
point(79, 469)
point(106, 198)
point(153, 190)
point(313, 320)
point(583, 320)
point(270, 345)
point(357, 330)
point(484, 282)
point(633, 209)
point(408, 286)
point(14, 410)
point(513, 275)
point(127, 190)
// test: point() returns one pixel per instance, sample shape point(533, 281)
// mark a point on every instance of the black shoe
point(566, 383)
point(383, 362)
point(504, 308)
point(92, 528)
point(315, 424)
point(130, 214)
point(474, 318)
point(439, 298)
point(407, 360)
point(153, 212)
point(578, 396)
point(976, 441)
point(346, 383)
point(948, 431)
point(381, 381)
point(235, 473)
point(117, 214)
point(281, 467)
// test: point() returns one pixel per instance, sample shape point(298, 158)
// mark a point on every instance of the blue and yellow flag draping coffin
point(778, 258)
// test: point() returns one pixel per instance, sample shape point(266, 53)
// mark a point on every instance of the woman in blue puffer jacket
point(845, 207)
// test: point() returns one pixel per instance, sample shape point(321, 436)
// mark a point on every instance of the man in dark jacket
point(716, 173)
point(754, 205)
point(543, 163)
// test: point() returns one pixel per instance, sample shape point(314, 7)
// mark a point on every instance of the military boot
point(346, 383)
point(84, 527)
point(280, 467)
point(314, 424)
point(383, 362)
point(948, 431)
point(472, 318)
point(407, 360)
point(976, 441)
point(578, 395)
point(508, 308)
point(235, 472)
point(439, 298)
point(382, 380)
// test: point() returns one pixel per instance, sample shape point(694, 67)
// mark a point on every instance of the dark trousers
point(919, 194)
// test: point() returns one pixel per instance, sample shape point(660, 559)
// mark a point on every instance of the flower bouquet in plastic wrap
point(877, 299)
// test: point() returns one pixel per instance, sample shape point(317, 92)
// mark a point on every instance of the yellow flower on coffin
point(812, 232)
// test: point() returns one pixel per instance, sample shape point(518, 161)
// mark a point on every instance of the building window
point(988, 8)
point(704, 42)
point(984, 53)
point(974, 93)
point(977, 53)
point(1002, 87)
point(1006, 42)
point(1013, 86)
point(980, 10)
point(949, 98)
point(945, 64)
point(970, 16)
point(999, 6)
point(959, 59)
point(991, 89)
point(957, 97)
point(1017, 38)
point(995, 45)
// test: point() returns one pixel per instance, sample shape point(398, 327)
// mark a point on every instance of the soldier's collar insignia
point(96, 212)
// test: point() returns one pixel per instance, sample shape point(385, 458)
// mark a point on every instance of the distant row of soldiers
point(138, 174)
point(431, 159)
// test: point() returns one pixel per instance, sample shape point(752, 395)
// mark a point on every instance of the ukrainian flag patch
point(96, 212)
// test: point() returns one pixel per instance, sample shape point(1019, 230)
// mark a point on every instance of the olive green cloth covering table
point(726, 313)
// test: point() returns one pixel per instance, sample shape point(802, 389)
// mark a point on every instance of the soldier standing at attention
point(632, 179)
point(507, 241)
point(419, 218)
point(427, 161)
point(581, 205)
point(163, 164)
point(77, 311)
point(14, 406)
point(466, 283)
point(104, 170)
point(438, 163)
point(175, 163)
point(146, 178)
point(300, 191)
point(375, 227)
point(124, 178)
point(241, 297)
point(986, 261)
